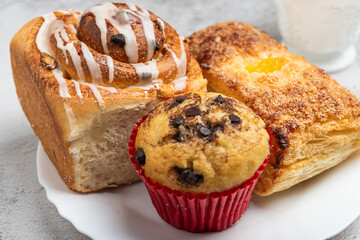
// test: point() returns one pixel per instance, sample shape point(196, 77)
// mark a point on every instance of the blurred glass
point(323, 31)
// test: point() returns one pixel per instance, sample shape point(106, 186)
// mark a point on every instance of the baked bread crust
point(314, 121)
point(59, 121)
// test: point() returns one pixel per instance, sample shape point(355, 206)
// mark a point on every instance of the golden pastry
point(314, 121)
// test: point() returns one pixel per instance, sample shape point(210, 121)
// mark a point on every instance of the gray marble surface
point(25, 212)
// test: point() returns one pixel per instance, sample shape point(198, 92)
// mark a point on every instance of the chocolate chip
point(204, 131)
point(177, 101)
point(192, 112)
point(188, 175)
point(118, 39)
point(282, 138)
point(146, 75)
point(177, 122)
point(180, 99)
point(279, 158)
point(275, 166)
point(219, 99)
point(234, 119)
point(178, 137)
point(218, 127)
point(157, 46)
point(140, 156)
point(174, 104)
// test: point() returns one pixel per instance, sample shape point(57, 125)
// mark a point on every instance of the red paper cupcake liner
point(197, 212)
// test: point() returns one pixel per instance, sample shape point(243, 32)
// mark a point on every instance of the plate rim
point(81, 229)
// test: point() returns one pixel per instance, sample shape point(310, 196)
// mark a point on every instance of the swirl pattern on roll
point(113, 46)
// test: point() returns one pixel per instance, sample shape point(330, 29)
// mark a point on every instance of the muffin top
point(201, 142)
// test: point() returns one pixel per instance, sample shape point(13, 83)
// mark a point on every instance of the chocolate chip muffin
point(201, 142)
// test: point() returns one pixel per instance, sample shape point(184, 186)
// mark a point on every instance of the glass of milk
point(323, 31)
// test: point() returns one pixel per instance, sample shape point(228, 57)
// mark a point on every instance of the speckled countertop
point(25, 212)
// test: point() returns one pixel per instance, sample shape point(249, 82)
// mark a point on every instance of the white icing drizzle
point(43, 44)
point(73, 27)
point(77, 88)
point(132, 7)
point(110, 64)
point(101, 24)
point(146, 71)
point(120, 22)
point(151, 67)
point(96, 93)
point(63, 43)
point(71, 117)
point(182, 61)
point(62, 40)
point(76, 61)
point(148, 27)
point(109, 89)
point(180, 84)
point(43, 38)
point(93, 67)
point(162, 25)
point(58, 28)
point(147, 85)
point(63, 89)
point(62, 31)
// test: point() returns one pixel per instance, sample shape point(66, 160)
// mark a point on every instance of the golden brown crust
point(46, 110)
point(218, 43)
point(297, 100)
point(34, 101)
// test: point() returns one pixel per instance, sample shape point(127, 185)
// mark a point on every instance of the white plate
point(315, 209)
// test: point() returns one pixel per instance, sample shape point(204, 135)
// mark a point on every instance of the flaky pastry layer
point(314, 121)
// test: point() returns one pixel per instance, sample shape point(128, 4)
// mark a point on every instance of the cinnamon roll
point(84, 78)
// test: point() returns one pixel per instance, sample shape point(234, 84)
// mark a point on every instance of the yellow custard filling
point(268, 65)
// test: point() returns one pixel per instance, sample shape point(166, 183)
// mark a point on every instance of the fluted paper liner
point(197, 212)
